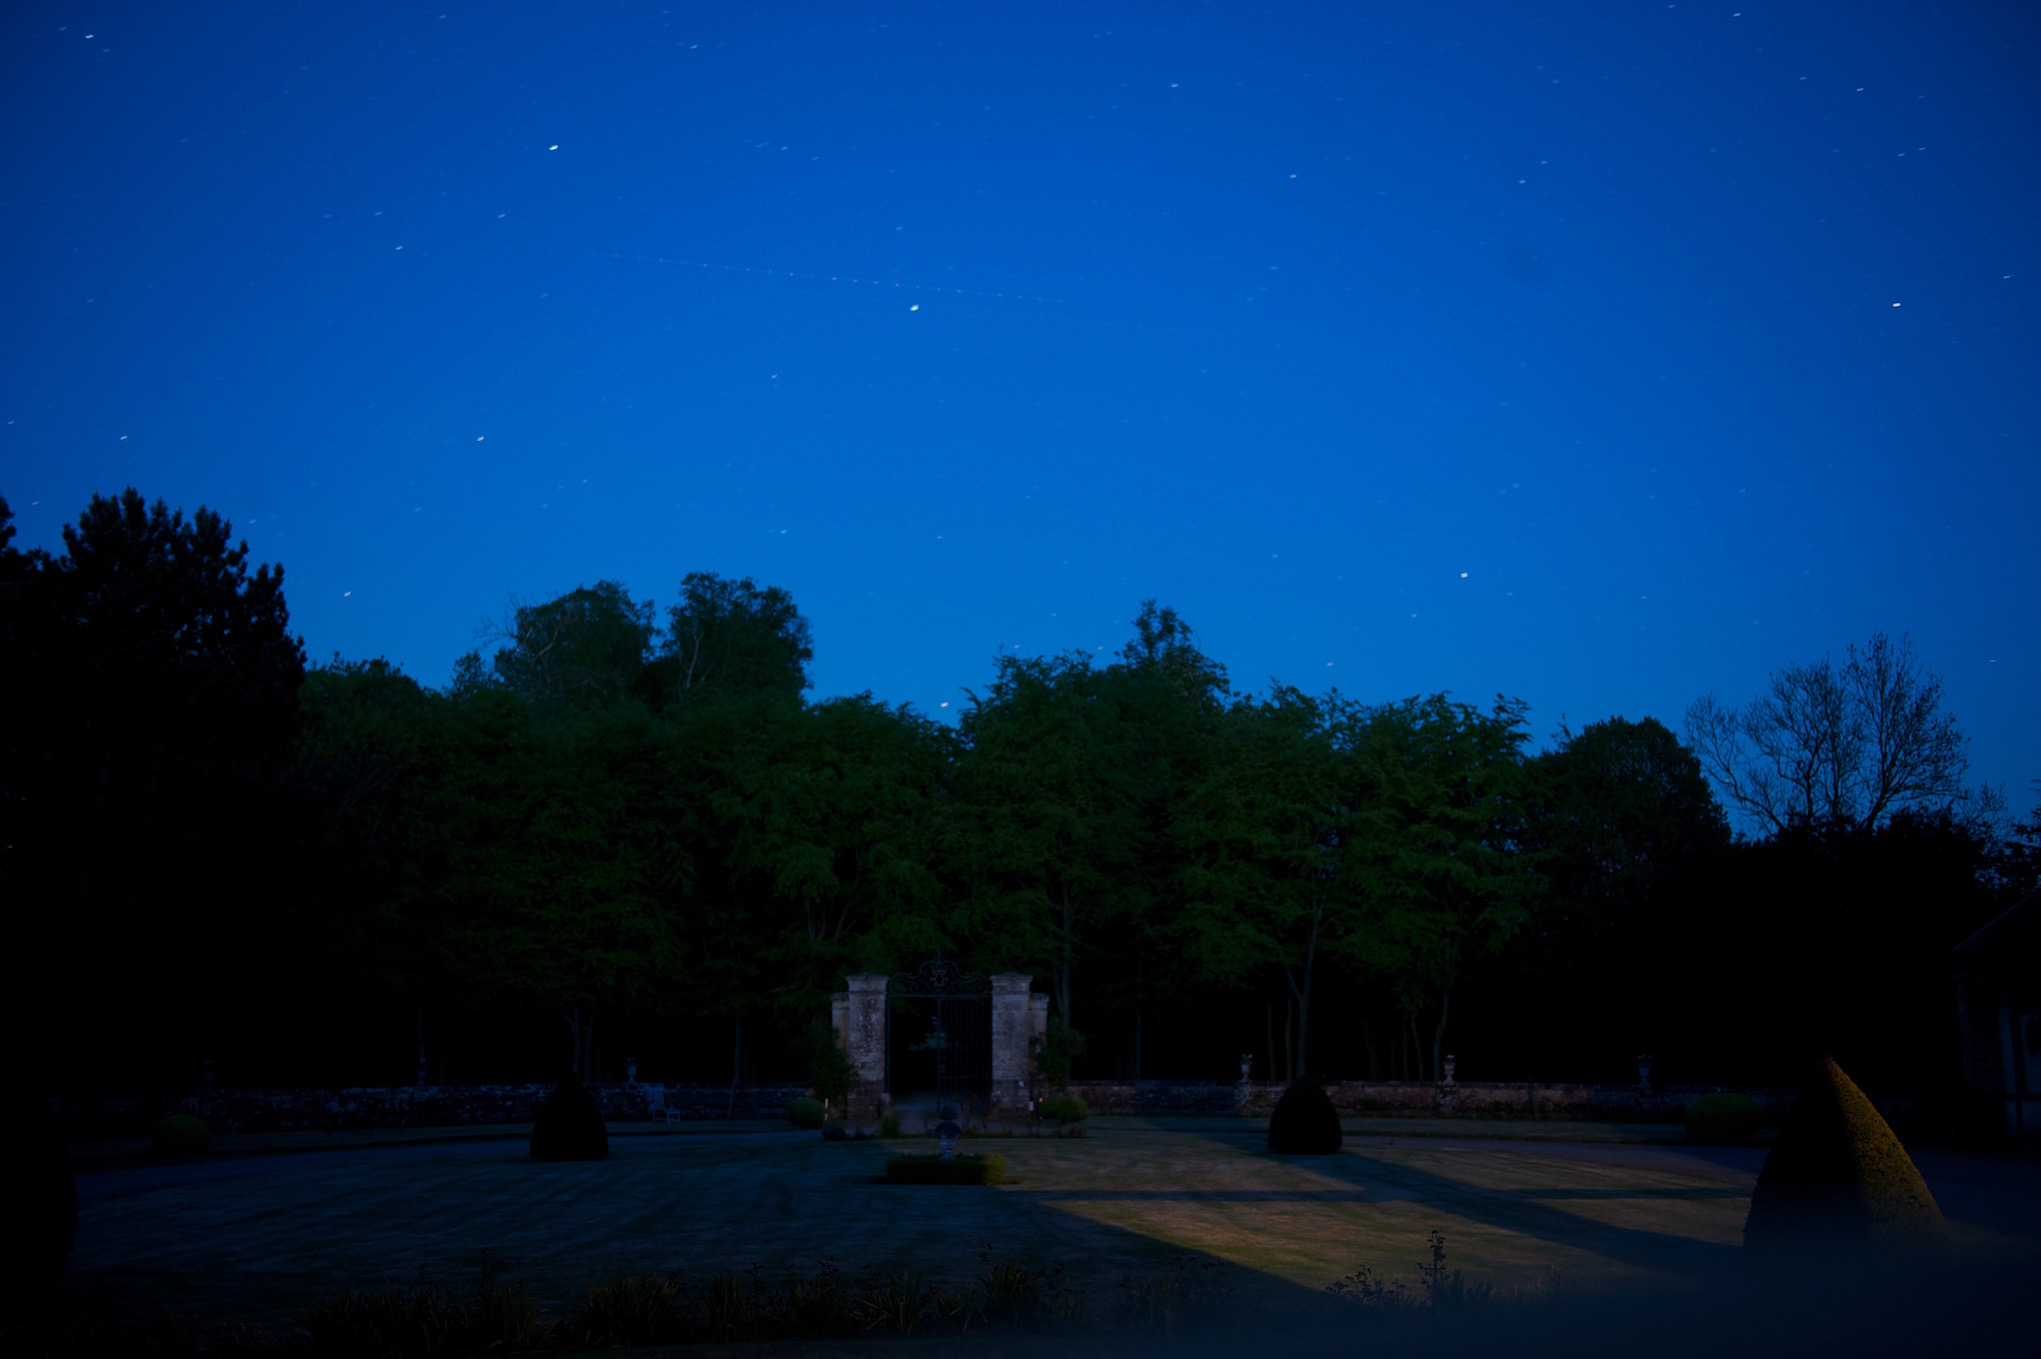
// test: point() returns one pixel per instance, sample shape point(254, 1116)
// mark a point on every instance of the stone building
point(1998, 1005)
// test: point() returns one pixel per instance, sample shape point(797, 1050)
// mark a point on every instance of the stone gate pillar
point(1012, 1041)
point(864, 1042)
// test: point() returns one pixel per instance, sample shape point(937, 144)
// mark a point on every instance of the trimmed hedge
point(1304, 1123)
point(971, 1169)
point(1722, 1119)
point(1838, 1180)
point(805, 1112)
point(181, 1135)
point(1063, 1108)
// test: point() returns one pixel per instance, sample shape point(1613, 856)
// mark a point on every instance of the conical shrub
point(1837, 1179)
point(569, 1126)
point(1304, 1122)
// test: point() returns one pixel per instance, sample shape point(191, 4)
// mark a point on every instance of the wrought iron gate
point(940, 1018)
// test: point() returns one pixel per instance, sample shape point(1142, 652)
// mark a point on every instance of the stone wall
point(1419, 1099)
point(410, 1107)
point(461, 1106)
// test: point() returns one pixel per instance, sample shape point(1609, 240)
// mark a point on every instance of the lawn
point(256, 1237)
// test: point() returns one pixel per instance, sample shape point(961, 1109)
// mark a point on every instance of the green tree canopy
point(732, 637)
point(1440, 842)
point(589, 645)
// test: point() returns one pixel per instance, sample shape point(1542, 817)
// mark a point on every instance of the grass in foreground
point(1009, 1295)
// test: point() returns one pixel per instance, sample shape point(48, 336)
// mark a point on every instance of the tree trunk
point(1063, 963)
point(1137, 1016)
point(418, 1030)
point(1290, 1035)
point(1301, 992)
point(581, 1033)
point(1269, 1036)
point(736, 1063)
point(1439, 1034)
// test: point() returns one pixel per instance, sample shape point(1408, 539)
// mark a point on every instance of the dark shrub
point(829, 1070)
point(393, 1322)
point(935, 1170)
point(569, 1126)
point(1837, 1179)
point(1064, 1108)
point(804, 1112)
point(181, 1135)
point(40, 1199)
point(1304, 1122)
point(1722, 1119)
point(1060, 1047)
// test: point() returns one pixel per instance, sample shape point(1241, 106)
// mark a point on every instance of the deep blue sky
point(1602, 356)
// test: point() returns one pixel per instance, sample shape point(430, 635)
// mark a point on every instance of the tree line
point(621, 832)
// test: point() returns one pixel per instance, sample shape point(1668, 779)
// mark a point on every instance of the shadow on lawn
point(1378, 1179)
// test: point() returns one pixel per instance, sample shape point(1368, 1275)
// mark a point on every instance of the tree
point(1440, 845)
point(1263, 844)
point(372, 744)
point(561, 875)
point(1848, 747)
point(153, 684)
point(1171, 700)
point(1622, 811)
point(1629, 839)
point(2018, 853)
point(839, 817)
point(590, 644)
point(1050, 806)
point(729, 637)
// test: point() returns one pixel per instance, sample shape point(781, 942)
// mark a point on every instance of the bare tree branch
point(1852, 747)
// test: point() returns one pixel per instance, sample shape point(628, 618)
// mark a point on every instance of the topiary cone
point(569, 1126)
point(1304, 1123)
point(1837, 1178)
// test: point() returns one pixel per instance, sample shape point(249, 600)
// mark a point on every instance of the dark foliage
point(1304, 1123)
point(38, 1194)
point(1724, 1119)
point(151, 684)
point(968, 1169)
point(1838, 1180)
point(616, 837)
point(569, 1126)
point(181, 1135)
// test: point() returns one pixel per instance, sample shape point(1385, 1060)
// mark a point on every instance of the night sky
point(1601, 356)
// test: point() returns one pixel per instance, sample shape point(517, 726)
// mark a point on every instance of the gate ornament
point(940, 977)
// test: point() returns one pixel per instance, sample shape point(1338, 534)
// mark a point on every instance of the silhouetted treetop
point(1848, 747)
point(731, 637)
point(590, 644)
